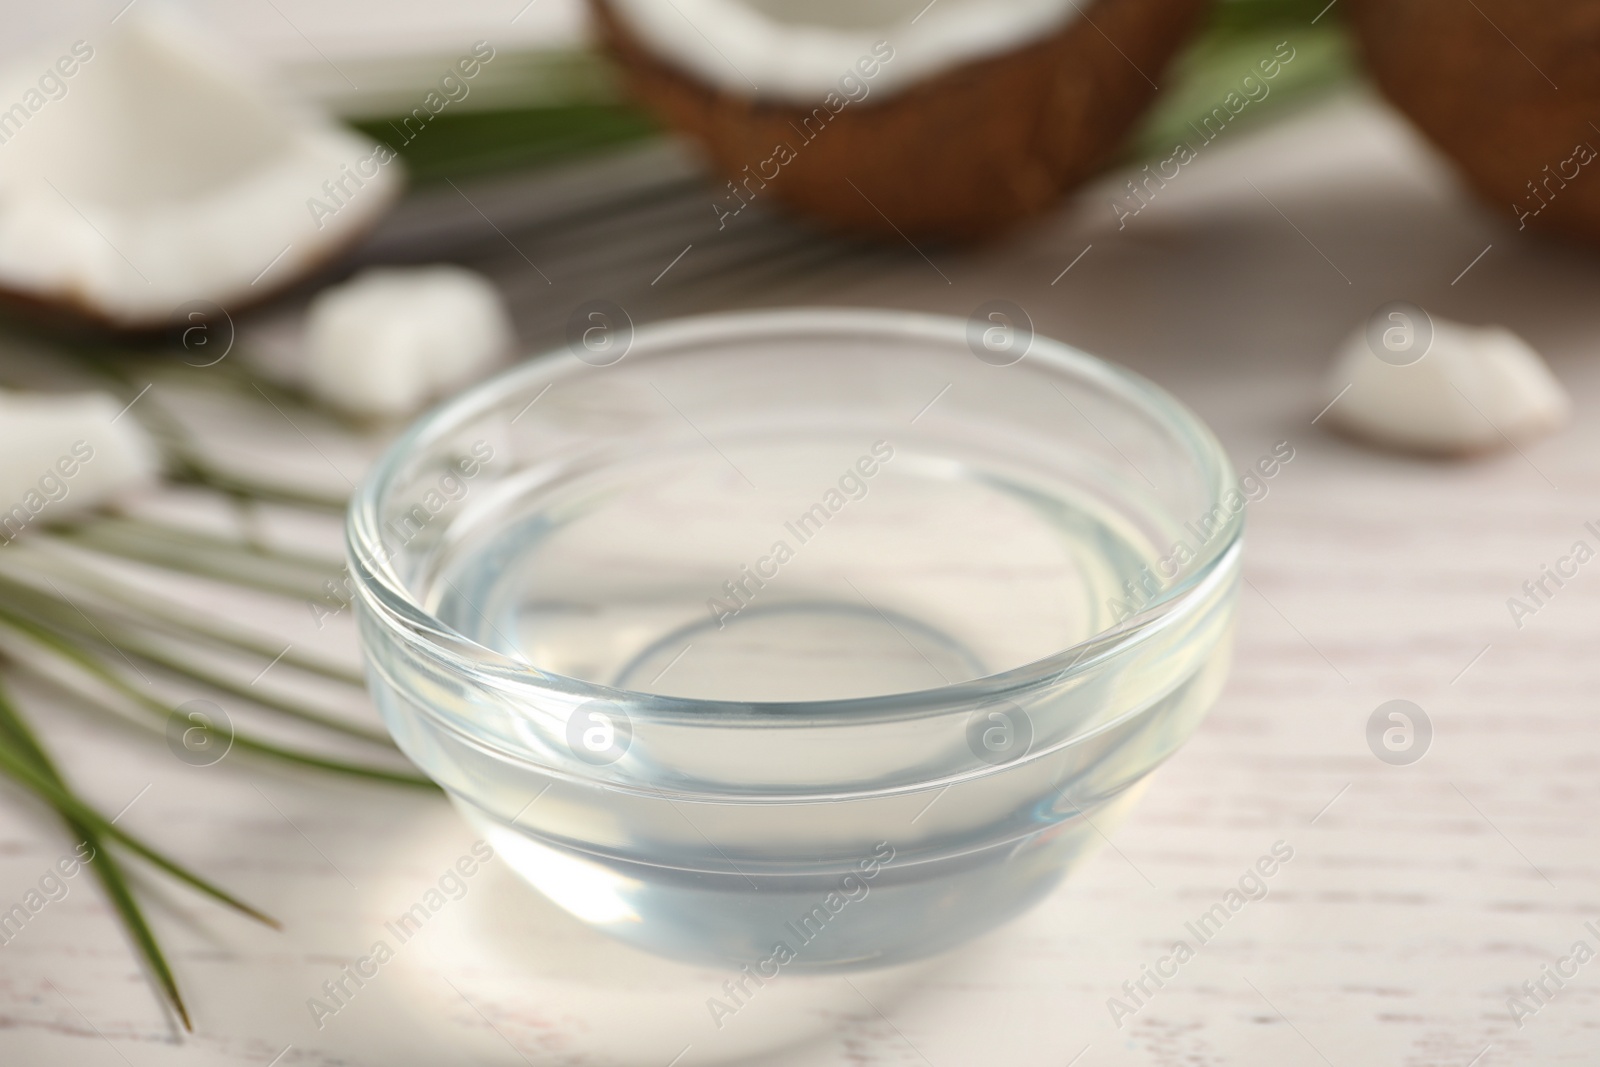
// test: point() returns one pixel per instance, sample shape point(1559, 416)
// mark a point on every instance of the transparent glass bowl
point(798, 640)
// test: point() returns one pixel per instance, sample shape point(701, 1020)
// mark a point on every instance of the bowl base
point(778, 652)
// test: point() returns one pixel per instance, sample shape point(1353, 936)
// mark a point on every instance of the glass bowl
point(803, 639)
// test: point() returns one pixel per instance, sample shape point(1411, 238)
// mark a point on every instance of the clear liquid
point(664, 576)
point(638, 575)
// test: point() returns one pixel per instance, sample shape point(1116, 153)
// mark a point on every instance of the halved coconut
point(140, 174)
point(1508, 89)
point(954, 118)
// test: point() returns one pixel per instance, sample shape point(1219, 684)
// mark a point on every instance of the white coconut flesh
point(63, 454)
point(798, 51)
point(391, 339)
point(162, 176)
point(1476, 389)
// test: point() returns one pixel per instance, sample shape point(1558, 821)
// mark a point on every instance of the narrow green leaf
point(189, 468)
point(236, 566)
point(75, 655)
point(116, 887)
point(224, 684)
point(482, 142)
point(184, 459)
point(105, 867)
point(75, 809)
point(68, 621)
point(132, 526)
point(1240, 35)
point(178, 620)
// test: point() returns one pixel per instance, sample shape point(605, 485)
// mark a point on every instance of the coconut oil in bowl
point(798, 640)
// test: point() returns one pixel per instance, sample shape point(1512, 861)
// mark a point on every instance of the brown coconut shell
point(1507, 89)
point(964, 155)
point(74, 317)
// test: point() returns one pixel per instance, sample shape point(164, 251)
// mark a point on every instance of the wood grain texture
point(1418, 899)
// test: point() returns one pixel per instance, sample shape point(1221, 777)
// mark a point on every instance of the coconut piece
point(141, 172)
point(389, 340)
point(1475, 389)
point(1480, 80)
point(955, 119)
point(62, 455)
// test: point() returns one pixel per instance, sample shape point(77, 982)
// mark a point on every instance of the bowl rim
point(379, 588)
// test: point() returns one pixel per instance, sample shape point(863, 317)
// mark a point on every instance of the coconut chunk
point(62, 455)
point(1474, 389)
point(389, 340)
point(141, 171)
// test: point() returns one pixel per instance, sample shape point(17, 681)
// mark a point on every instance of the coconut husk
point(964, 155)
point(1508, 89)
point(72, 316)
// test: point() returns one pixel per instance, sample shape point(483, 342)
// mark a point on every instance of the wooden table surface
point(1418, 900)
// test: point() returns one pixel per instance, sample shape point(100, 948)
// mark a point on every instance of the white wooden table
point(1419, 898)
